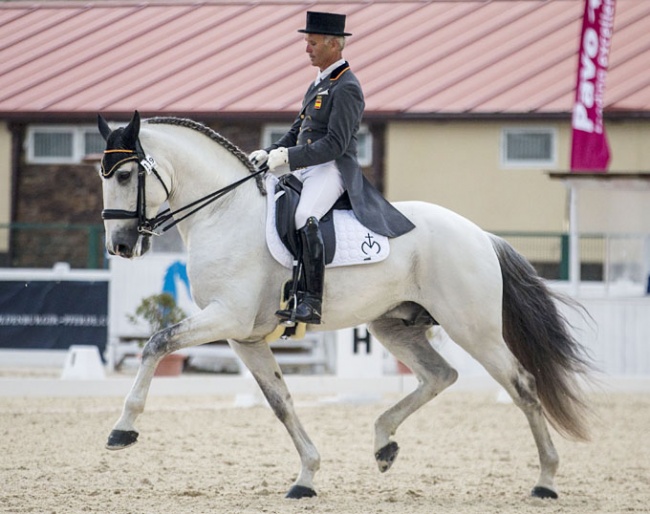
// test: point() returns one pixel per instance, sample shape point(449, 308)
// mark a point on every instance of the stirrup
point(287, 317)
point(288, 306)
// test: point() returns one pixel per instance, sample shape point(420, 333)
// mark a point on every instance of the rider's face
point(322, 50)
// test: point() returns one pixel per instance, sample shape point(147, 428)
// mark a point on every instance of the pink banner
point(589, 148)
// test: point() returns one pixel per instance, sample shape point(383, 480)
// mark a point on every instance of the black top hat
point(326, 23)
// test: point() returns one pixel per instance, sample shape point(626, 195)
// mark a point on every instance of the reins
point(167, 214)
point(148, 226)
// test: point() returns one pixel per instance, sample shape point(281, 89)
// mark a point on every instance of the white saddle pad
point(355, 244)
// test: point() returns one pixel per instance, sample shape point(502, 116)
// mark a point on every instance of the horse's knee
point(151, 349)
point(159, 344)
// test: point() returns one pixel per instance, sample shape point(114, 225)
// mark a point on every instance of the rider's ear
point(130, 134)
point(104, 129)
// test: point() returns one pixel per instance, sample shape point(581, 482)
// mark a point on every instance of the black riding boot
point(313, 262)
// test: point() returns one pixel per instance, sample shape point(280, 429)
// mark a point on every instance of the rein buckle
point(147, 230)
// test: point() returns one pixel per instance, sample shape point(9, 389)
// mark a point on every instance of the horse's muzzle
point(127, 243)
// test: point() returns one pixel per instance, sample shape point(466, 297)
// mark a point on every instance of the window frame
point(550, 163)
point(78, 150)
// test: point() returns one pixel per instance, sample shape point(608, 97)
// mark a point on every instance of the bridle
point(164, 219)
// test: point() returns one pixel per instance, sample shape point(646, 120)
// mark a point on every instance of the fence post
point(92, 261)
point(564, 257)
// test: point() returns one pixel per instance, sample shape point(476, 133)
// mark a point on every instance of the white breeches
point(322, 185)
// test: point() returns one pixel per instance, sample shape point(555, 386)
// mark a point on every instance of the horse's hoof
point(544, 493)
point(300, 491)
point(120, 439)
point(386, 456)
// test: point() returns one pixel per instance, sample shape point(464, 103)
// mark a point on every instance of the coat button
point(302, 116)
point(309, 141)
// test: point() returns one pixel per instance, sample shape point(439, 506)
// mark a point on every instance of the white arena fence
point(616, 331)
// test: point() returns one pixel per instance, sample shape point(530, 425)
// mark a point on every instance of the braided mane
point(216, 137)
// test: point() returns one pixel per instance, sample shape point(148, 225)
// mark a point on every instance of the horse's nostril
point(123, 250)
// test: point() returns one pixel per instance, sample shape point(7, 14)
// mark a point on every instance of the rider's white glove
point(278, 157)
point(258, 157)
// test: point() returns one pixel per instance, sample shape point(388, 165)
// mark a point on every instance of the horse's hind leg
point(259, 359)
point(411, 346)
point(502, 365)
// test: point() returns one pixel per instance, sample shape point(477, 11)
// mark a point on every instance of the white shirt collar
point(327, 71)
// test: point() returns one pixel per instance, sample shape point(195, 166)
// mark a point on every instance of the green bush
point(159, 311)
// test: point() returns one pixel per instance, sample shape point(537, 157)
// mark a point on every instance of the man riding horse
point(321, 151)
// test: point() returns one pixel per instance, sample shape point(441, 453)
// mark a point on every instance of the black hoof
point(119, 439)
point(544, 493)
point(386, 456)
point(300, 491)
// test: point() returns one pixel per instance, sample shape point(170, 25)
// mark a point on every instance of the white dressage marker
point(83, 362)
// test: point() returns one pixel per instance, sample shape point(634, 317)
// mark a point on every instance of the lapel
point(324, 84)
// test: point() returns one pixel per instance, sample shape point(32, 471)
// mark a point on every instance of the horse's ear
point(104, 129)
point(130, 134)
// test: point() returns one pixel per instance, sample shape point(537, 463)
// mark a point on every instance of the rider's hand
point(258, 157)
point(278, 157)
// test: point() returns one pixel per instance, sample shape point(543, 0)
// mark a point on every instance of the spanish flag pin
point(319, 102)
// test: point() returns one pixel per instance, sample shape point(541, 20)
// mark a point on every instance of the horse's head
point(130, 198)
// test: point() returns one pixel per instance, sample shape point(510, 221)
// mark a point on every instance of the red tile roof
point(413, 57)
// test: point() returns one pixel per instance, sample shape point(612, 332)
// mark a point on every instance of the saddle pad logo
point(370, 247)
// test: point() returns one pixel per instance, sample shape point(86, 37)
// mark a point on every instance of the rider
point(321, 151)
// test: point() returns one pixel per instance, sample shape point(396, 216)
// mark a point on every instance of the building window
point(528, 147)
point(272, 133)
point(59, 144)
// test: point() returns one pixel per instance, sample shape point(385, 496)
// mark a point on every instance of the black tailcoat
point(326, 130)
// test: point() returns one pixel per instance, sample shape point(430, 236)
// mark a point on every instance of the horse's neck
point(196, 167)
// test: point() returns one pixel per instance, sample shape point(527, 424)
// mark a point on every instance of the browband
point(109, 173)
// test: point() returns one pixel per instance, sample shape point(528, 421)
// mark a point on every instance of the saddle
point(347, 242)
point(287, 196)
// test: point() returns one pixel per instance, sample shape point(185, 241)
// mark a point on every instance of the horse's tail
point(538, 335)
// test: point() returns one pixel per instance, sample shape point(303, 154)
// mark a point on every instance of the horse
point(447, 271)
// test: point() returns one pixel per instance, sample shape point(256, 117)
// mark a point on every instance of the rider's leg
point(313, 262)
point(322, 186)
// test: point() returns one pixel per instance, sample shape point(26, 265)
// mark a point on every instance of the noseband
point(147, 226)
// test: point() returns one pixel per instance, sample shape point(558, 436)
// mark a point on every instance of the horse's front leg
point(124, 434)
point(259, 359)
point(208, 325)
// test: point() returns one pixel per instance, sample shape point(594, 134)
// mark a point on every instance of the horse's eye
point(123, 176)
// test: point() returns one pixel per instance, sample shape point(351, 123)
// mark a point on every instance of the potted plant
point(160, 311)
